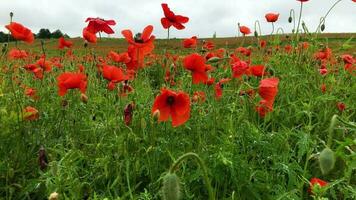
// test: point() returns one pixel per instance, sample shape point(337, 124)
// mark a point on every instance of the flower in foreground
point(314, 182)
point(19, 32)
point(71, 80)
point(172, 104)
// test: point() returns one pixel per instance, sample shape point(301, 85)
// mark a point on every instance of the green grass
point(93, 154)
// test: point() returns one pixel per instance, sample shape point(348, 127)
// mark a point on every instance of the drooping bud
point(171, 187)
point(290, 19)
point(326, 160)
point(322, 28)
point(256, 34)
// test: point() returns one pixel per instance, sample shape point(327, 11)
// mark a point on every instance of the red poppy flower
point(245, 30)
point(37, 71)
point(128, 112)
point(100, 25)
point(239, 68)
point(44, 64)
point(303, 1)
point(17, 54)
point(64, 43)
point(341, 106)
point(244, 51)
point(140, 46)
point(272, 17)
point(348, 59)
point(323, 71)
point(114, 75)
point(323, 88)
point(30, 113)
point(263, 43)
point(264, 107)
point(257, 70)
point(19, 32)
point(172, 104)
point(354, 1)
point(316, 181)
point(196, 64)
point(268, 88)
point(219, 88)
point(171, 19)
point(208, 45)
point(30, 92)
point(71, 80)
point(199, 97)
point(122, 57)
point(89, 36)
point(190, 42)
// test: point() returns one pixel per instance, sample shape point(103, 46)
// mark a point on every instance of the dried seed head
point(171, 187)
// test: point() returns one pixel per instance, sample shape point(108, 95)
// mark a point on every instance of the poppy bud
point(53, 196)
point(11, 14)
point(84, 98)
point(290, 19)
point(128, 112)
point(85, 44)
point(256, 34)
point(171, 187)
point(42, 158)
point(322, 28)
point(4, 47)
point(293, 30)
point(326, 160)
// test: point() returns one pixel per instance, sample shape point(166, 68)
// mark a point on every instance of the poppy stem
point(327, 13)
point(100, 35)
point(272, 28)
point(201, 164)
point(300, 17)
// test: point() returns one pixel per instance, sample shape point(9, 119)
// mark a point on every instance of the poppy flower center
point(170, 100)
point(138, 38)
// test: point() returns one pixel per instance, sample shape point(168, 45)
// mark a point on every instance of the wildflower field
point(248, 117)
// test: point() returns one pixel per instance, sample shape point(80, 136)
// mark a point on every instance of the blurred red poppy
point(71, 80)
point(17, 54)
point(245, 30)
point(30, 113)
point(316, 181)
point(196, 64)
point(19, 32)
point(257, 70)
point(272, 17)
point(303, 0)
point(268, 88)
point(341, 106)
point(190, 42)
point(239, 68)
point(119, 58)
point(114, 75)
point(172, 104)
point(62, 43)
point(199, 97)
point(89, 36)
point(171, 19)
point(100, 25)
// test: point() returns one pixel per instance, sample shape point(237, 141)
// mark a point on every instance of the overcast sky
point(206, 16)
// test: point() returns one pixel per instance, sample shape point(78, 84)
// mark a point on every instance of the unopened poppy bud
point(84, 98)
point(326, 160)
point(256, 34)
point(213, 59)
point(290, 19)
point(4, 47)
point(171, 187)
point(11, 14)
point(85, 44)
point(293, 30)
point(322, 28)
point(53, 196)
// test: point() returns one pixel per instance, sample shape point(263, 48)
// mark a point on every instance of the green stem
point(331, 130)
point(272, 28)
point(300, 17)
point(201, 165)
point(327, 13)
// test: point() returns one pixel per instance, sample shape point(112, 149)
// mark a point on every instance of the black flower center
point(138, 38)
point(170, 100)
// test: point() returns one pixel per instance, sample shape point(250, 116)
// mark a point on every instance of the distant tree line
point(43, 33)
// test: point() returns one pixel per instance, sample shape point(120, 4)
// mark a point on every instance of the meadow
point(266, 117)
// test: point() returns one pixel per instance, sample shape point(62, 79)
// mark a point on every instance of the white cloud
point(206, 16)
